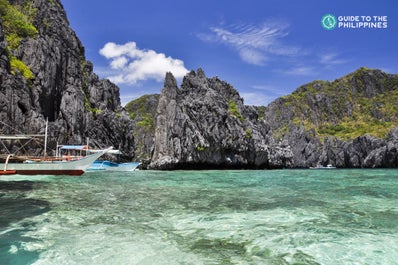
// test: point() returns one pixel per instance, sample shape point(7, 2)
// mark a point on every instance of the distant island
point(203, 124)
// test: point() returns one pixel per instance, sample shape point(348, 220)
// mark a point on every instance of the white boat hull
point(72, 167)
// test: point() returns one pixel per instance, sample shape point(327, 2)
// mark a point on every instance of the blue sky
point(264, 48)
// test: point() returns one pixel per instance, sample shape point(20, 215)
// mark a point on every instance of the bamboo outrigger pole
point(45, 139)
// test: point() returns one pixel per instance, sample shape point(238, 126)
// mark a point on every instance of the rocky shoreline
point(196, 129)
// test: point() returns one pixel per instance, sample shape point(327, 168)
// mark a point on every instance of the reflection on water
point(202, 217)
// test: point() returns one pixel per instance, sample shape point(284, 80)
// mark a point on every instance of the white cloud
point(252, 56)
point(255, 44)
point(298, 71)
point(113, 50)
point(117, 79)
point(331, 59)
point(119, 62)
point(134, 65)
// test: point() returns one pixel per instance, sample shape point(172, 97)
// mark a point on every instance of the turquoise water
point(201, 217)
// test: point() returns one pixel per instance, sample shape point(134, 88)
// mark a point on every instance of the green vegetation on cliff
point(17, 24)
point(20, 66)
point(143, 111)
point(233, 110)
point(363, 102)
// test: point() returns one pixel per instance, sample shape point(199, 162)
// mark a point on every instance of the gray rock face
point(202, 124)
point(363, 152)
point(143, 112)
point(205, 124)
point(364, 94)
point(64, 90)
point(385, 155)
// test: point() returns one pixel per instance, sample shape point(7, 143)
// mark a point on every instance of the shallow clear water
point(201, 217)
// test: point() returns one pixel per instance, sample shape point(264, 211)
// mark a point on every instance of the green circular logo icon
point(329, 22)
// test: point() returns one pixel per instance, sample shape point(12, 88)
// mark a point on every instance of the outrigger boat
point(26, 165)
point(44, 165)
point(329, 166)
point(112, 166)
point(100, 165)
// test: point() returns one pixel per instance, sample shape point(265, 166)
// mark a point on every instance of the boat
point(110, 165)
point(328, 166)
point(43, 165)
point(27, 165)
point(113, 166)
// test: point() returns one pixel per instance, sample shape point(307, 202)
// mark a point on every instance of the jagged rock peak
point(198, 74)
point(170, 81)
point(198, 83)
point(201, 73)
point(205, 125)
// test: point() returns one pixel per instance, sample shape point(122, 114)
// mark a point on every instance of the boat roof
point(73, 147)
point(19, 137)
point(85, 148)
point(112, 151)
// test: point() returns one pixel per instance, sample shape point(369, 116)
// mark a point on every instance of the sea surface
point(201, 217)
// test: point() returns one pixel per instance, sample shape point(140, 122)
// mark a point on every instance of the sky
point(264, 48)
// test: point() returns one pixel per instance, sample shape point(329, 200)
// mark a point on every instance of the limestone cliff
point(143, 113)
point(348, 122)
point(62, 86)
point(204, 124)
